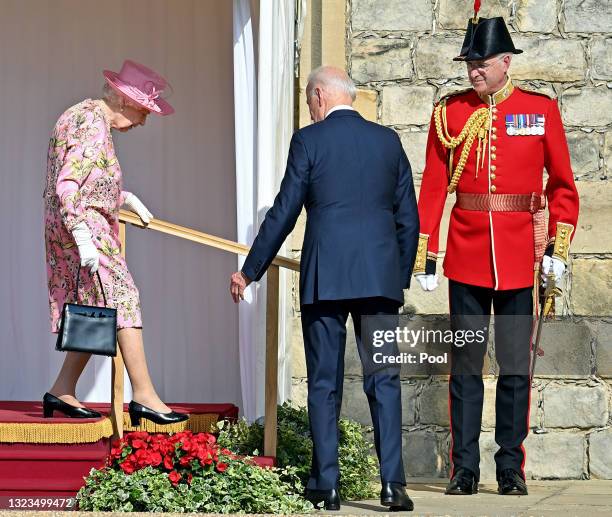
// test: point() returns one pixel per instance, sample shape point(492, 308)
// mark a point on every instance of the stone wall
point(399, 52)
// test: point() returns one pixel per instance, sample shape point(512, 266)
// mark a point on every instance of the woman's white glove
point(428, 282)
point(90, 257)
point(135, 205)
point(552, 265)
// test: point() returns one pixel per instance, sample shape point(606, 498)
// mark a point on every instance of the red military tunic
point(488, 248)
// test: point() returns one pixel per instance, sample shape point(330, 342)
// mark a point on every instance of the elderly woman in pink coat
point(82, 200)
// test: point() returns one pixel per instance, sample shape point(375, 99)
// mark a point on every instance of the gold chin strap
point(476, 126)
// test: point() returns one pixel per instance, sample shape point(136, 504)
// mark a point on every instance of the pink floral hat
point(141, 85)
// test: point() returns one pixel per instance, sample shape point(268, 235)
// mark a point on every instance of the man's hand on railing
point(238, 283)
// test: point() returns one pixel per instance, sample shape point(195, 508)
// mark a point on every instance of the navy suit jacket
point(362, 225)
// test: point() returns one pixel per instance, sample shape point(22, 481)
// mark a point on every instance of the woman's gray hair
point(331, 79)
point(114, 98)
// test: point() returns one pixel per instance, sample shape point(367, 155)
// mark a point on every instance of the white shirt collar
point(339, 107)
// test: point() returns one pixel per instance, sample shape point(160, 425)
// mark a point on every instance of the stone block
point(432, 405)
point(407, 105)
point(410, 391)
point(355, 400)
point(591, 287)
point(355, 403)
point(556, 455)
point(600, 454)
point(537, 86)
point(582, 406)
point(296, 238)
point(488, 448)
point(584, 152)
point(592, 236)
point(380, 59)
point(567, 349)
point(488, 410)
point(540, 54)
point(536, 15)
point(587, 106)
point(601, 59)
point(415, 143)
point(588, 15)
point(392, 15)
point(454, 14)
point(427, 302)
point(366, 104)
point(299, 393)
point(421, 454)
point(298, 357)
point(602, 334)
point(607, 152)
point(434, 58)
point(458, 85)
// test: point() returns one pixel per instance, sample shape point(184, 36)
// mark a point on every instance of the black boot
point(394, 495)
point(138, 411)
point(510, 482)
point(463, 482)
point(51, 403)
point(329, 498)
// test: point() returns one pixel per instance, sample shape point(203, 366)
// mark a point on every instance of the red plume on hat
point(476, 8)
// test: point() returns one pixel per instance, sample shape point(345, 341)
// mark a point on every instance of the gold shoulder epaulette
point(454, 94)
point(535, 92)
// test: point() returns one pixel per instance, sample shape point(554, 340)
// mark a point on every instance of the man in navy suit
point(359, 247)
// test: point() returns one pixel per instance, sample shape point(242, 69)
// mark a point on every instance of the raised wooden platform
point(49, 457)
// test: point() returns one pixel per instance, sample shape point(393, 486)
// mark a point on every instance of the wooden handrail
point(272, 319)
point(201, 238)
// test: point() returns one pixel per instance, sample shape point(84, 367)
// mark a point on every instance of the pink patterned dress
point(84, 185)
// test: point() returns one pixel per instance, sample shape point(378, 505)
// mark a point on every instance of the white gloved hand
point(428, 282)
point(552, 265)
point(90, 257)
point(135, 205)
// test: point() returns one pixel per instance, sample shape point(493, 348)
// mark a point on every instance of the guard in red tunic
point(489, 146)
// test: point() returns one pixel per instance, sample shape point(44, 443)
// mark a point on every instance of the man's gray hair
point(330, 79)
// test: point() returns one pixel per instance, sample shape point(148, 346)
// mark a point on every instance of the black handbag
point(87, 328)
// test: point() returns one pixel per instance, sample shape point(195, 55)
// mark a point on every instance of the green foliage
point(357, 466)
point(241, 488)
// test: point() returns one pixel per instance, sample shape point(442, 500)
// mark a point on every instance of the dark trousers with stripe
point(324, 328)
point(470, 308)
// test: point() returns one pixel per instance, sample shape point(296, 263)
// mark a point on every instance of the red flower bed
point(181, 455)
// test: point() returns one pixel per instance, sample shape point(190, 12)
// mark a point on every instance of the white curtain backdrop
point(264, 124)
point(182, 167)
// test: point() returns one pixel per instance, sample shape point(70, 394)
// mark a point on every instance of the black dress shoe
point(394, 495)
point(464, 482)
point(51, 403)
point(510, 482)
point(138, 411)
point(329, 498)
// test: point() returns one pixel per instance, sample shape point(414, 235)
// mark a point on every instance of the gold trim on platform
point(203, 423)
point(56, 433)
point(90, 432)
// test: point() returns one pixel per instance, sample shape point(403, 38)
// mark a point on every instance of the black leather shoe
point(138, 411)
point(51, 403)
point(464, 482)
point(329, 498)
point(394, 495)
point(510, 482)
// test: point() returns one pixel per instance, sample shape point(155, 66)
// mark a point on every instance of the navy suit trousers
point(324, 328)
